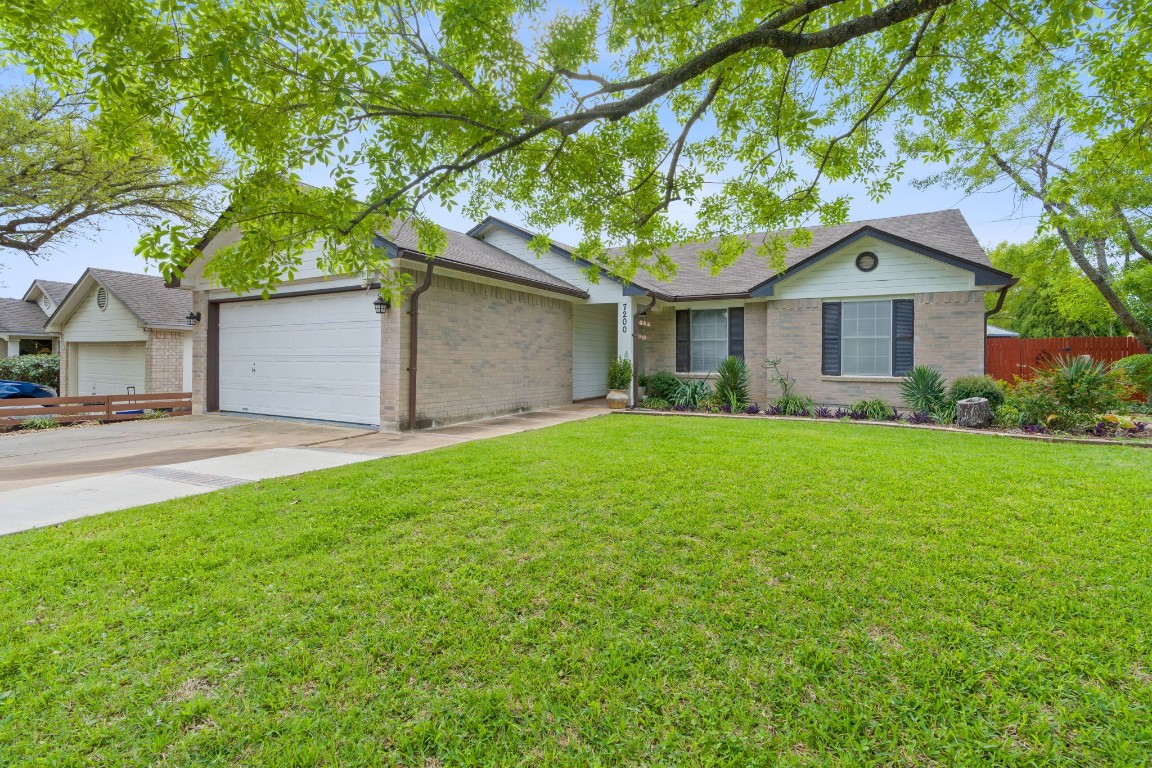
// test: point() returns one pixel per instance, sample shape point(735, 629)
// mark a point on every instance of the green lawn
point(623, 591)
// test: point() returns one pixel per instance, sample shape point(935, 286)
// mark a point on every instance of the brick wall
point(164, 361)
point(660, 348)
point(65, 366)
point(484, 350)
point(949, 337)
point(200, 352)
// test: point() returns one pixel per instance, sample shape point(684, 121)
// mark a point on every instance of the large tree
point(57, 182)
point(597, 115)
point(1072, 137)
point(1055, 298)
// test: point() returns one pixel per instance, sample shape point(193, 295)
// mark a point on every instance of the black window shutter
point(830, 346)
point(903, 336)
point(683, 340)
point(736, 332)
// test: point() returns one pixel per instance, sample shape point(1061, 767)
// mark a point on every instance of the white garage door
point(109, 369)
point(593, 348)
point(312, 357)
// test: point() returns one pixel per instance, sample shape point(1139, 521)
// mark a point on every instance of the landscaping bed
point(1072, 398)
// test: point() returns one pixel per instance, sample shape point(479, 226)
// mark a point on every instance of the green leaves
point(601, 118)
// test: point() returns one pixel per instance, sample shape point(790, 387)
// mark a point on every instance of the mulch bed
point(1133, 442)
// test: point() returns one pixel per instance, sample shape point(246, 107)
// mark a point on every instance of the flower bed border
point(990, 432)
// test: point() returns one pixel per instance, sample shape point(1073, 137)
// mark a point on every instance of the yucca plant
point(689, 394)
point(732, 382)
point(923, 389)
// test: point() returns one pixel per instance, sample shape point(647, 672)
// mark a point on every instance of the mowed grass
point(620, 591)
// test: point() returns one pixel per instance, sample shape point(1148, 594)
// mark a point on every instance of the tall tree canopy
point(1055, 298)
point(57, 182)
point(595, 114)
point(1075, 137)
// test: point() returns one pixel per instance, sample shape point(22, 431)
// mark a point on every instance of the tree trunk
point(973, 413)
point(1133, 325)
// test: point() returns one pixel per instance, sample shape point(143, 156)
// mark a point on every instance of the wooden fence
point(94, 407)
point(1007, 358)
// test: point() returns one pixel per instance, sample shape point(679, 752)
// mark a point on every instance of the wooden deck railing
point(94, 407)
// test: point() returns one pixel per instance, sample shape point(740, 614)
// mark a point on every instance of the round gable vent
point(46, 302)
point(102, 299)
point(866, 261)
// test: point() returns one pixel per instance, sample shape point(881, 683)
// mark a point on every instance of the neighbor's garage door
point(312, 357)
point(109, 369)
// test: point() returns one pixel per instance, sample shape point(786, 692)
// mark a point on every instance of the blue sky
point(993, 216)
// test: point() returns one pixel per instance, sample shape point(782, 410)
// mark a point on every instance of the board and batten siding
point(899, 272)
point(113, 323)
point(593, 348)
point(567, 270)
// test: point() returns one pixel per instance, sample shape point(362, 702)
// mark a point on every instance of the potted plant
point(642, 385)
point(619, 380)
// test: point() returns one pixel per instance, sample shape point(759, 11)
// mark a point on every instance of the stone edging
point(899, 425)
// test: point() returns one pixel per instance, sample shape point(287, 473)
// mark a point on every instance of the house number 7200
point(624, 318)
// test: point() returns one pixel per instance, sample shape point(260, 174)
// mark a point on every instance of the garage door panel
point(314, 357)
point(109, 369)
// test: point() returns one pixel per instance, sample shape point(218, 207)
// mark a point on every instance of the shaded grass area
point(617, 591)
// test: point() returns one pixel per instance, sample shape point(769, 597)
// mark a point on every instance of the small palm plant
point(923, 389)
point(732, 383)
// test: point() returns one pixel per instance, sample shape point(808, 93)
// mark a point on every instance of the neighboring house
point(22, 320)
point(501, 330)
point(996, 332)
point(122, 332)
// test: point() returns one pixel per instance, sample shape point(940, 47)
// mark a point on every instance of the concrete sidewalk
point(36, 506)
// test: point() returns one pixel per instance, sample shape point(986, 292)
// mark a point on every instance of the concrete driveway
point(55, 476)
point(38, 458)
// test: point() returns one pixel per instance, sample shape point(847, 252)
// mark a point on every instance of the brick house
point(121, 332)
point(501, 329)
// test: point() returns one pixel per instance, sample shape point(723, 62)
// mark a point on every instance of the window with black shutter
point(830, 346)
point(736, 332)
point(903, 336)
point(683, 340)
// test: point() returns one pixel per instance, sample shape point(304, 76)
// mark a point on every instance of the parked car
point(14, 390)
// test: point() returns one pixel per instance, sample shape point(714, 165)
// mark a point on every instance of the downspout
point(999, 306)
point(413, 342)
point(636, 350)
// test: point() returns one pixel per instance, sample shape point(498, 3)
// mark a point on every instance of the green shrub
point(39, 422)
point(1138, 369)
point(923, 389)
point(689, 393)
point(710, 403)
point(732, 383)
point(1082, 385)
point(38, 369)
point(978, 386)
point(662, 384)
point(656, 404)
point(1007, 416)
point(794, 405)
point(945, 412)
point(873, 410)
point(620, 373)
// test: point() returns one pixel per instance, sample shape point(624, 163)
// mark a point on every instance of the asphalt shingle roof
point(945, 231)
point(19, 316)
point(471, 252)
point(55, 290)
point(147, 297)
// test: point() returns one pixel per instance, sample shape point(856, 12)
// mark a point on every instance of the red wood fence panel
point(94, 407)
point(1007, 358)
